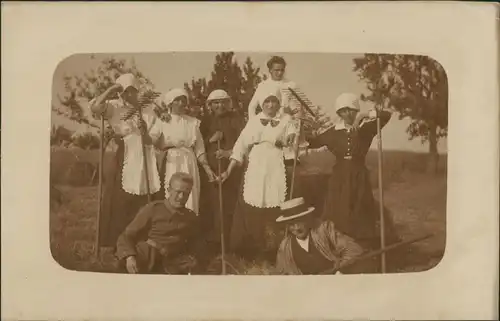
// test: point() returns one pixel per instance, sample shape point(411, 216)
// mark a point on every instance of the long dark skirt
point(253, 229)
point(230, 194)
point(118, 207)
point(350, 204)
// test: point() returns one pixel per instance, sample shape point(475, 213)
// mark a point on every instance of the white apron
point(183, 138)
point(265, 179)
point(133, 172)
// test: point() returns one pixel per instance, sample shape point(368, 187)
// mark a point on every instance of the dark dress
point(254, 232)
point(349, 201)
point(118, 207)
point(231, 125)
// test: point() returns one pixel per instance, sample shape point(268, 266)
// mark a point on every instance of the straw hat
point(294, 209)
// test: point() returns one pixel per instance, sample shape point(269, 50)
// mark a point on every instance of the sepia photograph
point(263, 160)
point(248, 163)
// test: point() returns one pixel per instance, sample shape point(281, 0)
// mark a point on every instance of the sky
point(321, 76)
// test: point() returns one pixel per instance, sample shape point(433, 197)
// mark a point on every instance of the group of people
point(155, 210)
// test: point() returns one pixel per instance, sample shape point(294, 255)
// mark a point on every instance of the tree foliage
point(240, 84)
point(79, 89)
point(415, 86)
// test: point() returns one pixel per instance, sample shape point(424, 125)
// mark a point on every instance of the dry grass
point(417, 202)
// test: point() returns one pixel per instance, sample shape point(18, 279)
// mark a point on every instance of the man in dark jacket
point(311, 247)
point(164, 236)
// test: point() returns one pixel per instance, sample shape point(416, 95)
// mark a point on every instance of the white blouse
point(182, 131)
point(133, 171)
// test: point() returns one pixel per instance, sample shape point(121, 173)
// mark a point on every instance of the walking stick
point(99, 195)
point(221, 214)
point(381, 192)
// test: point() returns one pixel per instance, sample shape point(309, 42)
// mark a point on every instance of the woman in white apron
point(125, 189)
point(183, 143)
point(265, 178)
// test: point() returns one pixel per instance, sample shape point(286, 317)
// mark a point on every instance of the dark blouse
point(350, 144)
point(231, 125)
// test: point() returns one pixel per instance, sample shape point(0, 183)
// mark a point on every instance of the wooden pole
point(381, 193)
point(221, 215)
point(296, 152)
point(296, 155)
point(99, 195)
point(144, 156)
point(375, 253)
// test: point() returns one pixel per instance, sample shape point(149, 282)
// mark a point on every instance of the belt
point(163, 251)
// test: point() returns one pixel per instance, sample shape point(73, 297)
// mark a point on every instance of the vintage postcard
point(204, 168)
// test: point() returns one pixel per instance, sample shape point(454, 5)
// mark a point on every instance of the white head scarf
point(127, 80)
point(347, 100)
point(217, 94)
point(269, 93)
point(172, 94)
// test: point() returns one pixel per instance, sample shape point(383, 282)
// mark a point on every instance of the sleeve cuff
point(372, 114)
point(237, 158)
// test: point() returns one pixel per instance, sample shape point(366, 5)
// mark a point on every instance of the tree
point(83, 88)
point(198, 93)
point(416, 87)
point(226, 75)
point(251, 80)
point(59, 136)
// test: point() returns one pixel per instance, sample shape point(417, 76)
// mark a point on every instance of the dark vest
point(312, 262)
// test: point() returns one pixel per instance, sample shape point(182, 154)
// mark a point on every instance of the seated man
point(162, 235)
point(310, 247)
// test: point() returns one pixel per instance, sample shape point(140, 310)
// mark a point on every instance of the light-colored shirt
point(304, 243)
point(255, 133)
point(182, 131)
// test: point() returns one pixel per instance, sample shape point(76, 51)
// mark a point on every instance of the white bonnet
point(172, 94)
point(127, 80)
point(269, 93)
point(347, 100)
point(217, 94)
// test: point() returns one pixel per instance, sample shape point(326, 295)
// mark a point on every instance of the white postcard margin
point(461, 36)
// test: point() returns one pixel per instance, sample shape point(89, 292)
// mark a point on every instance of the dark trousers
point(151, 261)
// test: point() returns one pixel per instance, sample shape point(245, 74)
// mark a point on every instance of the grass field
point(416, 200)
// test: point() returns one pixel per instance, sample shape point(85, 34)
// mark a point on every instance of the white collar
point(341, 125)
point(304, 243)
point(278, 116)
